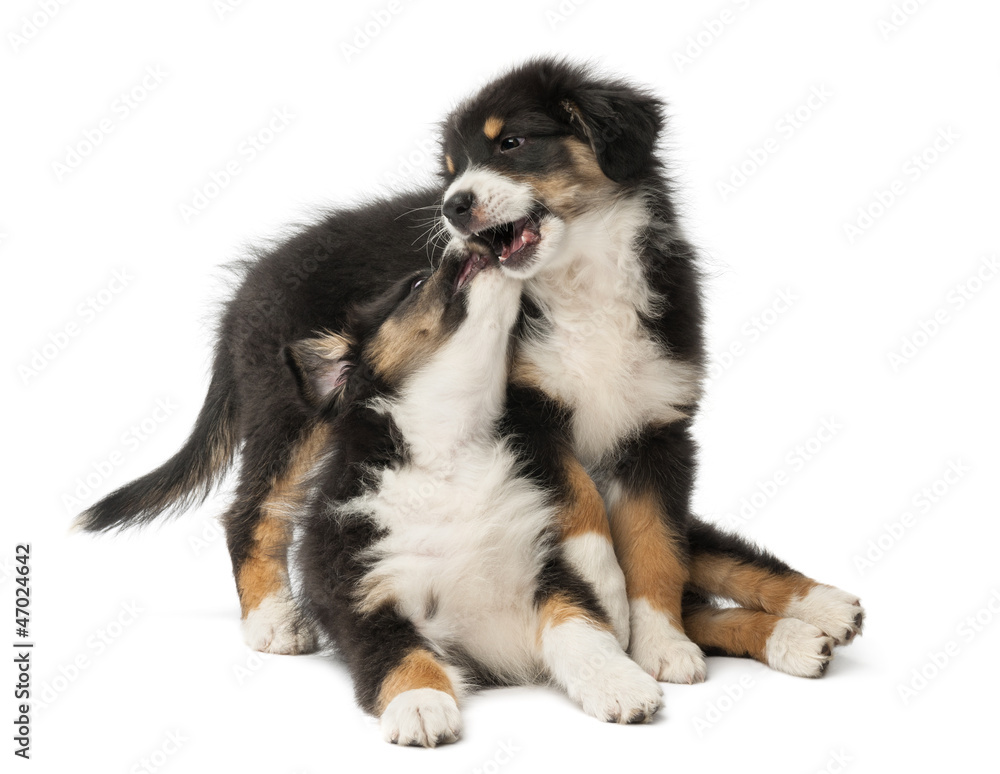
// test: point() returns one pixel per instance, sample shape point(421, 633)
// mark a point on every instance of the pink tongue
point(465, 273)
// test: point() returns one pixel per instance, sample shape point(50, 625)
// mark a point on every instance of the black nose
point(458, 208)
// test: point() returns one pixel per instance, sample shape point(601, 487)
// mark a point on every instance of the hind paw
point(275, 626)
point(799, 648)
point(836, 612)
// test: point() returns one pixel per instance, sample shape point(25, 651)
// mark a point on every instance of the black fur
point(330, 556)
point(538, 430)
point(707, 539)
point(661, 462)
point(552, 97)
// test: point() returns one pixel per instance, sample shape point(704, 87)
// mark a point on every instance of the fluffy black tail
point(184, 479)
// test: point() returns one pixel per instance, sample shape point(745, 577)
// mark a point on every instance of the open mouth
point(514, 242)
point(471, 266)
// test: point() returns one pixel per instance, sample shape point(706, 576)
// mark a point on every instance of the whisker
point(418, 209)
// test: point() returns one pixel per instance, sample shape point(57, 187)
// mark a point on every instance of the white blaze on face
point(497, 198)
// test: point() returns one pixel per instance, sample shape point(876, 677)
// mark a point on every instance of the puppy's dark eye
point(417, 283)
point(509, 143)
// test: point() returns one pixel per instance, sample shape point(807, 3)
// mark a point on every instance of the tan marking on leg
point(492, 127)
point(736, 631)
point(559, 609)
point(584, 512)
point(450, 164)
point(417, 669)
point(747, 585)
point(649, 556)
point(265, 571)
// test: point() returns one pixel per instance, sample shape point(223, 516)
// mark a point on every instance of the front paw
point(620, 693)
point(836, 612)
point(276, 626)
point(662, 650)
point(422, 717)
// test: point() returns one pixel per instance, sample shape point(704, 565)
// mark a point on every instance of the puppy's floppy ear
point(320, 365)
point(621, 123)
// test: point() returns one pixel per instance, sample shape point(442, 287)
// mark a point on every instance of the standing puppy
point(428, 555)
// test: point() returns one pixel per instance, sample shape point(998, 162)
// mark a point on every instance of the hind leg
point(786, 644)
point(258, 532)
point(725, 565)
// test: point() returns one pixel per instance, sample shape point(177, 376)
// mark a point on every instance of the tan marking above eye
point(450, 163)
point(492, 127)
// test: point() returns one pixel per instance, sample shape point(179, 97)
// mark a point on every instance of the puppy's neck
point(456, 399)
point(596, 266)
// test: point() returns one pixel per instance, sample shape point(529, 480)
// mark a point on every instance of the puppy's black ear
point(622, 125)
point(320, 366)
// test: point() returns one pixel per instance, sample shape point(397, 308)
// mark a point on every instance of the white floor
point(139, 663)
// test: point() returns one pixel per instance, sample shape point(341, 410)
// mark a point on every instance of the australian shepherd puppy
point(556, 167)
point(428, 554)
point(558, 170)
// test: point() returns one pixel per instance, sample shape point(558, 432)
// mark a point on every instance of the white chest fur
point(593, 353)
point(462, 553)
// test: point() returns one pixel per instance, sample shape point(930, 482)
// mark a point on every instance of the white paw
point(423, 717)
point(619, 692)
point(798, 648)
point(275, 626)
point(836, 612)
point(662, 650)
point(593, 556)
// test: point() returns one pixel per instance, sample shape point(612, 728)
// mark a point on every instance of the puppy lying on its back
point(427, 555)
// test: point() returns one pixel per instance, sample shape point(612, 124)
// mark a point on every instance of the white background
point(179, 663)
